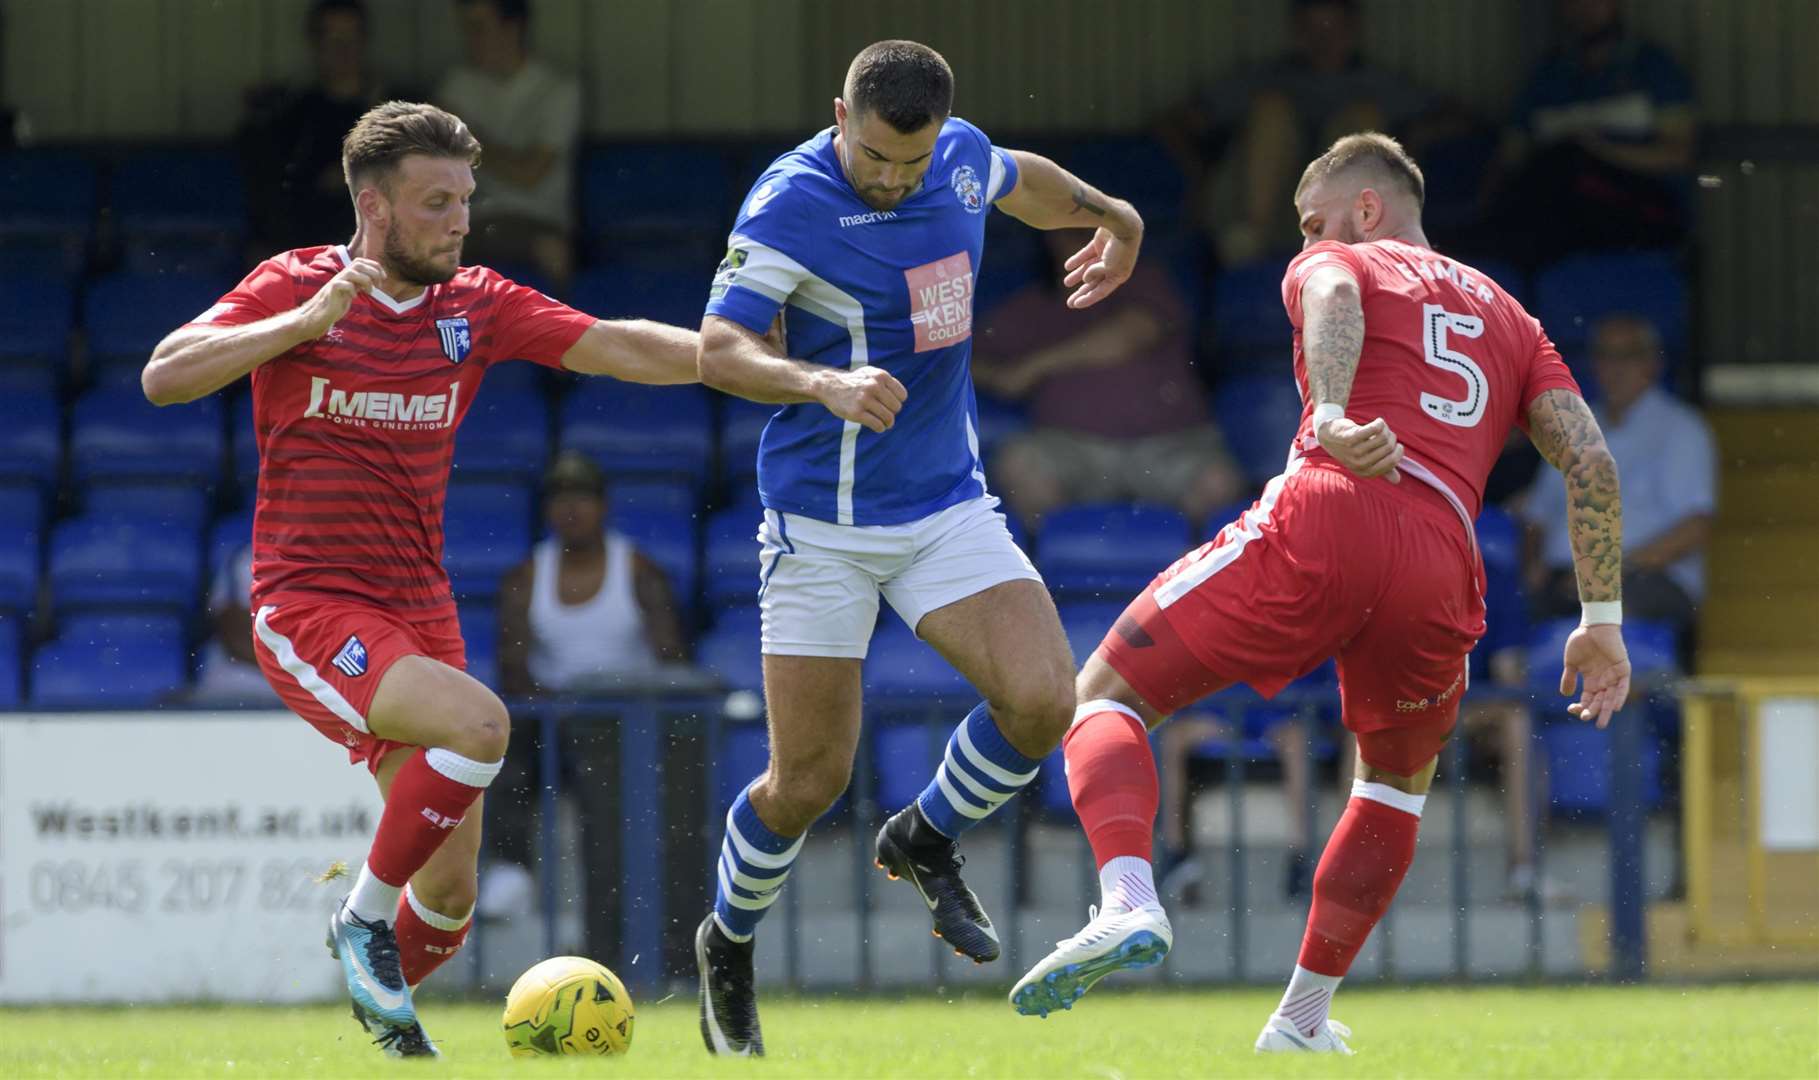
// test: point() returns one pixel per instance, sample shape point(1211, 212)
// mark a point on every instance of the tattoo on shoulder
point(1084, 201)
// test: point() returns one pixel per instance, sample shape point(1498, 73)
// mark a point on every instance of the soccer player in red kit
point(1412, 368)
point(364, 358)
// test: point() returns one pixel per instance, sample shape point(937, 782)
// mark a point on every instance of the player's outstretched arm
point(636, 350)
point(197, 360)
point(737, 361)
point(1567, 435)
point(1047, 196)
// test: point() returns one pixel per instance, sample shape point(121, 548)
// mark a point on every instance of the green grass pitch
point(1693, 1031)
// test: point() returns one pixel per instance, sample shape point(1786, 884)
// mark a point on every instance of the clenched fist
point(867, 395)
point(323, 310)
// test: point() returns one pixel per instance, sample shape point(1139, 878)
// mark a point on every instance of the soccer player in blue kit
point(867, 238)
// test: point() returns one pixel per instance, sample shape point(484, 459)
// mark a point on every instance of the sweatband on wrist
point(1601, 613)
point(1327, 411)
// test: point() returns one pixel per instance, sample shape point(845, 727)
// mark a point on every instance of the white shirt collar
point(397, 307)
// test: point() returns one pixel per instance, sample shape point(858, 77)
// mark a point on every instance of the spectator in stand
point(528, 116)
point(1118, 412)
point(1666, 457)
point(1243, 140)
point(230, 673)
point(291, 138)
point(586, 613)
point(1603, 137)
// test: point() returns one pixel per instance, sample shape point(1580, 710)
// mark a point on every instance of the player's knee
point(485, 730)
point(451, 894)
point(802, 792)
point(1040, 708)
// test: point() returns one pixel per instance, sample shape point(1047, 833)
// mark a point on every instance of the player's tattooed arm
point(1047, 196)
point(1567, 434)
point(1332, 334)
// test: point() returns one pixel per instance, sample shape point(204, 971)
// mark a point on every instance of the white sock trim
point(721, 923)
point(434, 918)
point(372, 899)
point(1389, 796)
point(463, 770)
point(1092, 708)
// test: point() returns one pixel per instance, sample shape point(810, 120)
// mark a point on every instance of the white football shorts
point(819, 582)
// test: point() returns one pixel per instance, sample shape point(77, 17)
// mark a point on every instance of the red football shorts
point(1382, 575)
point(326, 657)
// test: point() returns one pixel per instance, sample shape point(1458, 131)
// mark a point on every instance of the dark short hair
point(514, 11)
point(904, 83)
point(322, 9)
point(387, 133)
point(1370, 149)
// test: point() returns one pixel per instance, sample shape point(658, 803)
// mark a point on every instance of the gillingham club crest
point(457, 341)
point(968, 190)
point(351, 660)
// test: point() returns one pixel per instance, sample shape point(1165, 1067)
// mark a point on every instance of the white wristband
point(1601, 613)
point(1327, 411)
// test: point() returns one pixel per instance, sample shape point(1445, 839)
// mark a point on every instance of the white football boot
point(1119, 939)
point(1280, 1037)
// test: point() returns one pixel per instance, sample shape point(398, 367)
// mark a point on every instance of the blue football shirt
point(887, 288)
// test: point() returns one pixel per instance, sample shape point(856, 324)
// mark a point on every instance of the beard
point(412, 269)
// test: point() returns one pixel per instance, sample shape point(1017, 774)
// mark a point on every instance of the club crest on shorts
point(968, 189)
point(456, 339)
point(351, 660)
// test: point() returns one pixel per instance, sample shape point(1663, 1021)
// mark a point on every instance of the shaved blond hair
point(1383, 156)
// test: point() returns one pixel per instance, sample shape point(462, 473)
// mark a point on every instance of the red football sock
point(1363, 866)
point(426, 938)
point(1111, 775)
point(429, 797)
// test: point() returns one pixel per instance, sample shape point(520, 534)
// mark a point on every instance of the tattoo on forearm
point(1083, 200)
point(1567, 435)
point(1332, 340)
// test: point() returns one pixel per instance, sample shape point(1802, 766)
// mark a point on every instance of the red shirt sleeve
point(1546, 371)
point(1325, 253)
point(527, 325)
point(267, 291)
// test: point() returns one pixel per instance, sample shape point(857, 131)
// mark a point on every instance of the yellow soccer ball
point(568, 1005)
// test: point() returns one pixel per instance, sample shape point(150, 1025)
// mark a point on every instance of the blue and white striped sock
point(980, 771)
point(754, 863)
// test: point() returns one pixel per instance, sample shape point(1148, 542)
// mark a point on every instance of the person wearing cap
point(587, 610)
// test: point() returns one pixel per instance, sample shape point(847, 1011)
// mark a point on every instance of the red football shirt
point(356, 429)
point(1451, 362)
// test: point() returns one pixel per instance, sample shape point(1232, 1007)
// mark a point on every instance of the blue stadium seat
point(732, 560)
point(11, 662)
point(245, 449)
point(126, 314)
point(118, 434)
point(730, 650)
point(131, 672)
point(1573, 294)
point(1248, 321)
point(514, 377)
point(654, 496)
point(899, 664)
point(178, 506)
point(745, 750)
point(642, 191)
point(21, 506)
point(639, 430)
point(109, 627)
point(180, 207)
point(19, 573)
point(1508, 275)
point(1086, 622)
point(480, 634)
point(486, 531)
point(1499, 540)
point(47, 207)
point(1579, 759)
point(1259, 415)
point(667, 539)
point(1224, 516)
point(623, 290)
point(741, 426)
point(226, 537)
point(505, 434)
point(102, 560)
point(31, 437)
point(1109, 551)
point(37, 313)
point(905, 756)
